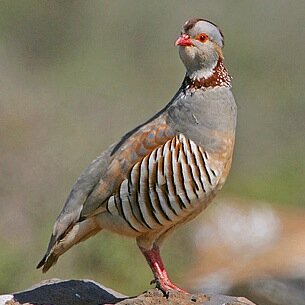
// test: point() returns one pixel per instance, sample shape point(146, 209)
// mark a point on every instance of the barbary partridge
point(164, 172)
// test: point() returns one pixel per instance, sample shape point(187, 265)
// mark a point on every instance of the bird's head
point(200, 47)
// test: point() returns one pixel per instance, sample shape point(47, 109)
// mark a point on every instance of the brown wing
point(104, 175)
point(132, 150)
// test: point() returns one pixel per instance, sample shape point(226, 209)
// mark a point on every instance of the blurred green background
point(76, 75)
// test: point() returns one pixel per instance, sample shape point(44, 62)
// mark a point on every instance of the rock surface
point(273, 291)
point(86, 292)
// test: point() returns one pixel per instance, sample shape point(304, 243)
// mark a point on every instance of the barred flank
point(164, 186)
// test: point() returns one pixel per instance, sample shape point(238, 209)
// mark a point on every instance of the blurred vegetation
point(76, 75)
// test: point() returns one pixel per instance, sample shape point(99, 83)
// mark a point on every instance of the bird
point(164, 172)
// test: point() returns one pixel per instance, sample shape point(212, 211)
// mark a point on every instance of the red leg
point(154, 260)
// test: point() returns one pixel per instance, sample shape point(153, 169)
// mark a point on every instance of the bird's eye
point(202, 37)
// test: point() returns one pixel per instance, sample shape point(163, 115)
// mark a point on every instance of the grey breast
point(199, 115)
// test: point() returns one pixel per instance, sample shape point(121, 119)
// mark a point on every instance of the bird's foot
point(166, 286)
point(161, 280)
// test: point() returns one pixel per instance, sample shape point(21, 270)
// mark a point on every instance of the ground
point(85, 292)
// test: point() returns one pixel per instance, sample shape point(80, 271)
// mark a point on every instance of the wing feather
point(104, 175)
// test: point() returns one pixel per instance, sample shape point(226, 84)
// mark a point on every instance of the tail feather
point(77, 233)
point(47, 262)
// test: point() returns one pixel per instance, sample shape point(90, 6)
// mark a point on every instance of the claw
point(168, 286)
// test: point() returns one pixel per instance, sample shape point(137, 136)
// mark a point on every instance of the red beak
point(184, 40)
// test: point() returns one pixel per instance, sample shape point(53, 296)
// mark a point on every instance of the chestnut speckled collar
point(219, 78)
